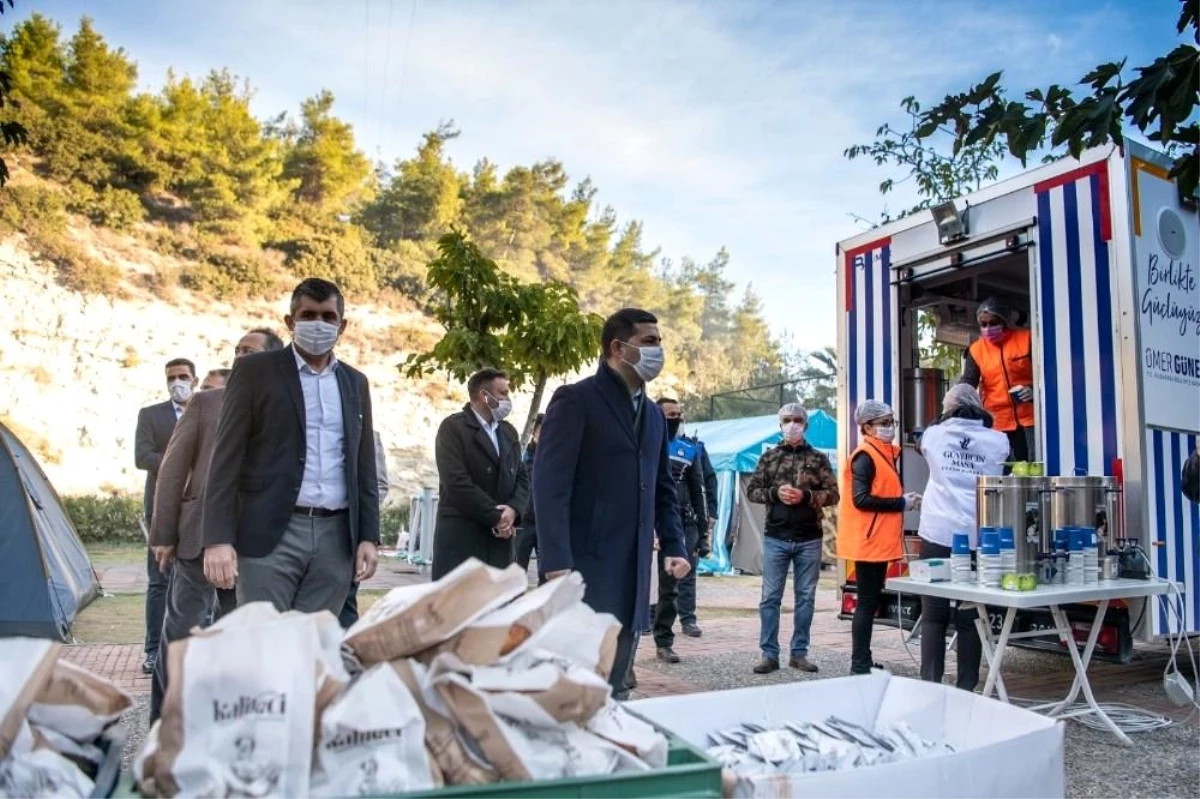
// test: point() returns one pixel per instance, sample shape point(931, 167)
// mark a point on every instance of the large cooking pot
point(1086, 501)
point(924, 390)
point(1022, 504)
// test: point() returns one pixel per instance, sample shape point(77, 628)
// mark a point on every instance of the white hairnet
point(961, 395)
point(794, 409)
point(997, 307)
point(870, 410)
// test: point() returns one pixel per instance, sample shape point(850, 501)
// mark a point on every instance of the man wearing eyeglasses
point(999, 365)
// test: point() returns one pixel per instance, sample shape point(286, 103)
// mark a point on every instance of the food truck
point(1099, 258)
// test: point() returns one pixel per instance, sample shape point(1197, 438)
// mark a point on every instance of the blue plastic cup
point(1062, 539)
point(989, 547)
point(1076, 540)
point(961, 544)
point(1007, 539)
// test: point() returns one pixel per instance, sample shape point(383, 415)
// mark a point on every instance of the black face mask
point(673, 427)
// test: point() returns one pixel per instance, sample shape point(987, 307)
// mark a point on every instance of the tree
point(1160, 103)
point(12, 132)
point(553, 337)
point(475, 302)
point(818, 391)
point(534, 331)
point(330, 172)
point(937, 177)
point(422, 199)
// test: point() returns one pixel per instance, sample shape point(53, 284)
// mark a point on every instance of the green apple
point(1010, 582)
point(1020, 469)
point(1028, 582)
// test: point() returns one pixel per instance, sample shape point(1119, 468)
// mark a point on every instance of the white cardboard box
point(1001, 750)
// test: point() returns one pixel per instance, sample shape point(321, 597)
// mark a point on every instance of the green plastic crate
point(689, 773)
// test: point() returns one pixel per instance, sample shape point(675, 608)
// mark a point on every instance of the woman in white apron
point(959, 449)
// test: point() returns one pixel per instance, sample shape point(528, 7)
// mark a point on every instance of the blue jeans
point(780, 557)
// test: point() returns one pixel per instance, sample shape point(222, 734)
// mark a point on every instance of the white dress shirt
point(490, 428)
point(324, 483)
point(179, 409)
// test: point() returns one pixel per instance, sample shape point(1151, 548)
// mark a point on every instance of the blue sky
point(716, 123)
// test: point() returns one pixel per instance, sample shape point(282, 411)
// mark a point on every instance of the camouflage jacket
point(800, 467)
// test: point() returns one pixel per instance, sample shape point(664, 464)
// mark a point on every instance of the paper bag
point(410, 619)
point(502, 631)
point(373, 740)
point(580, 634)
point(238, 715)
point(77, 703)
point(25, 666)
point(565, 691)
point(460, 762)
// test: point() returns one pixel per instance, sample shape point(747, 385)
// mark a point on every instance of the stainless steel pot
point(924, 390)
point(1086, 501)
point(1021, 503)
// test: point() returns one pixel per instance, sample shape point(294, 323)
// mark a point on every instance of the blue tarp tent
point(734, 446)
point(46, 577)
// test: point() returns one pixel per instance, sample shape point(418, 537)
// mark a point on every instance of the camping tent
point(734, 446)
point(46, 577)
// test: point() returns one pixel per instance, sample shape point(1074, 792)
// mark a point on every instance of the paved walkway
point(732, 630)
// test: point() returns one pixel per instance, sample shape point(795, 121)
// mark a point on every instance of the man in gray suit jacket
point(291, 510)
point(175, 530)
point(154, 427)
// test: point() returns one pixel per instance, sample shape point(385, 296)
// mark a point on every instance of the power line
point(412, 18)
point(387, 67)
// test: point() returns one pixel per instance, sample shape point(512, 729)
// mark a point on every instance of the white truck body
point(1109, 254)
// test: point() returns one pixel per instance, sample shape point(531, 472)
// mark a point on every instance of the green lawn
point(112, 554)
point(121, 618)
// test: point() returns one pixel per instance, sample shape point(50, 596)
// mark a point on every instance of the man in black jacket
point(482, 484)
point(689, 488)
point(291, 510)
point(155, 425)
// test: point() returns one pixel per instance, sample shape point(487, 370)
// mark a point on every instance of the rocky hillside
point(75, 368)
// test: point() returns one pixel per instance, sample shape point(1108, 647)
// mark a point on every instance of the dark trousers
point(622, 663)
point(935, 618)
point(349, 613)
point(686, 600)
point(190, 602)
point(670, 596)
point(869, 578)
point(156, 601)
point(1021, 442)
point(226, 601)
point(526, 544)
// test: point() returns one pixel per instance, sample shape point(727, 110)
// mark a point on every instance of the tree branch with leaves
point(1159, 102)
point(534, 331)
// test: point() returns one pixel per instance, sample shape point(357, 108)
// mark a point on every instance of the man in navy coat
point(602, 483)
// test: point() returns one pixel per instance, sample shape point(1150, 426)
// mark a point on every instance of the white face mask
point(501, 411)
point(887, 434)
point(180, 390)
point(650, 362)
point(793, 432)
point(315, 337)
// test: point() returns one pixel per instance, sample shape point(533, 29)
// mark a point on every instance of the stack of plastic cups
point(1062, 538)
point(960, 558)
point(1075, 563)
point(1008, 550)
point(990, 569)
point(1091, 556)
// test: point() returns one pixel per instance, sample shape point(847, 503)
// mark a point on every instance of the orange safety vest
point(867, 535)
point(1001, 367)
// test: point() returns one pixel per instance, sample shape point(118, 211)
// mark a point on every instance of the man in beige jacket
point(175, 531)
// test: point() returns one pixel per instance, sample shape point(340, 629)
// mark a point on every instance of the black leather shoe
point(148, 665)
point(692, 630)
point(667, 655)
